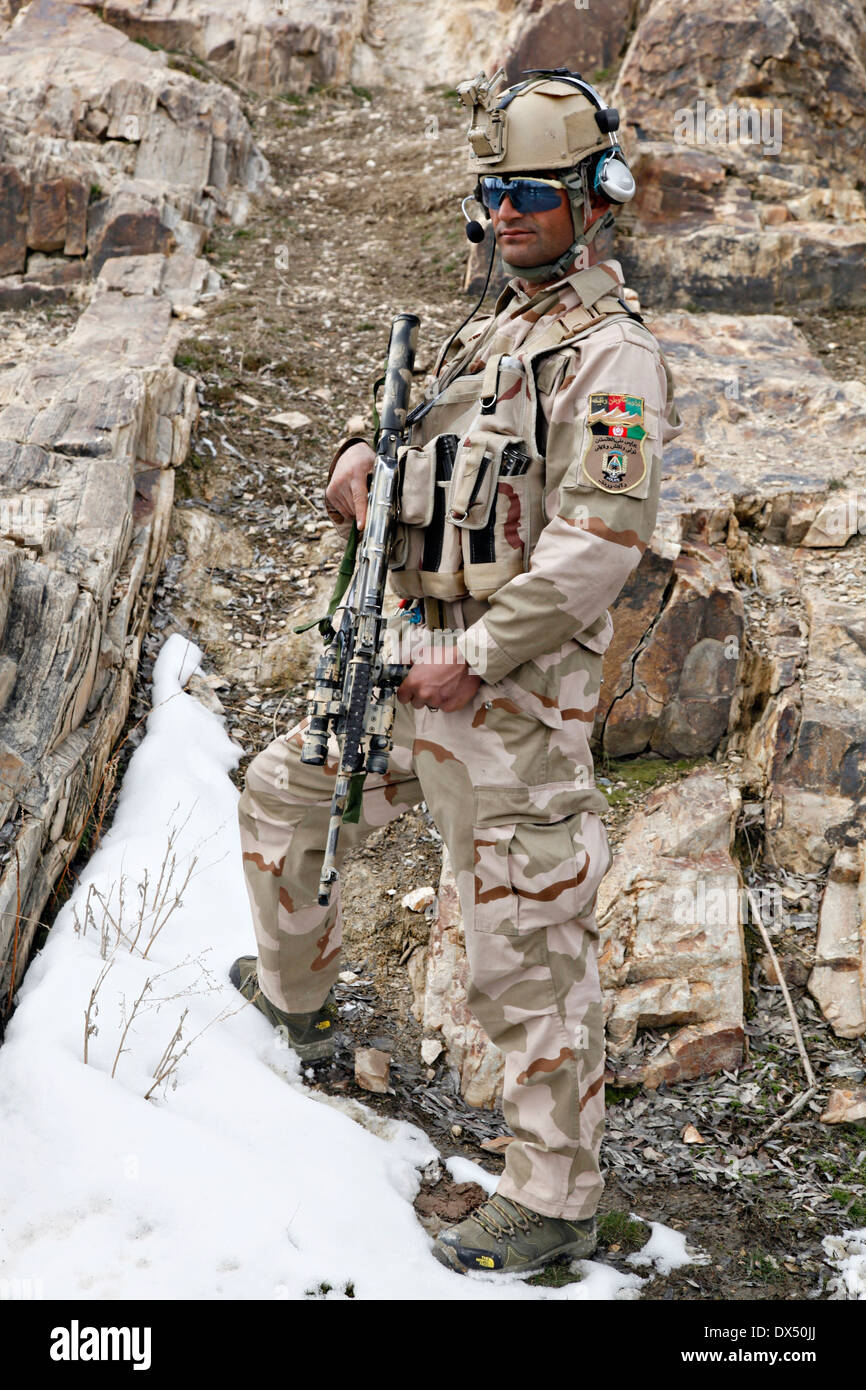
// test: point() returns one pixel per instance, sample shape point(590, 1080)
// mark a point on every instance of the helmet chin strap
point(578, 194)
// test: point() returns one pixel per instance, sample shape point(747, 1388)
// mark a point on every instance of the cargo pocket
point(532, 868)
point(473, 480)
point(490, 504)
point(419, 534)
point(501, 549)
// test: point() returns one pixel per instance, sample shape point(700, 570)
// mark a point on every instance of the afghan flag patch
point(614, 458)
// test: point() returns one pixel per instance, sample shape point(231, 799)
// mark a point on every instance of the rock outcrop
point(746, 128)
point(670, 916)
point(739, 484)
point(265, 45)
point(774, 53)
point(92, 428)
point(673, 690)
point(89, 436)
point(586, 39)
point(817, 792)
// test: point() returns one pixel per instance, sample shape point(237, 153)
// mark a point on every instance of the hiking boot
point(310, 1035)
point(503, 1235)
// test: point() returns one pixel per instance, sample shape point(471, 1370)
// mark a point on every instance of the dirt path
point(369, 224)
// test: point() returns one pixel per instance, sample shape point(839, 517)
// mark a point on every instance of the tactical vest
point(473, 472)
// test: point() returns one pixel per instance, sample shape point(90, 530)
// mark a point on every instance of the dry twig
point(92, 1010)
point(804, 1057)
point(812, 1086)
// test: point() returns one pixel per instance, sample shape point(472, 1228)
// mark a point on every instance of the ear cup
point(613, 179)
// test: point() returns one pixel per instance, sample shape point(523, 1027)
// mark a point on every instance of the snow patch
point(848, 1253)
point(666, 1249)
point(464, 1170)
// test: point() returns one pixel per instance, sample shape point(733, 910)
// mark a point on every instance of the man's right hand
point(346, 493)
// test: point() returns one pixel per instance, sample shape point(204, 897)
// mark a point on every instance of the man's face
point(533, 238)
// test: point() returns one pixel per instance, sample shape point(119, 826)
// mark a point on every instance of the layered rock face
point(90, 430)
point(671, 938)
point(106, 151)
point(838, 981)
point(807, 58)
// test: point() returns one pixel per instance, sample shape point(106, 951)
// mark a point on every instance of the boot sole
point(576, 1250)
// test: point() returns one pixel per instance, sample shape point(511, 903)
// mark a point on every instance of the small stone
point(418, 899)
point(372, 1069)
point(845, 1107)
point(497, 1144)
point(292, 419)
point(768, 970)
point(347, 977)
point(456, 1131)
point(430, 1049)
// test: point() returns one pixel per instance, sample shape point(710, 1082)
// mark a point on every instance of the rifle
point(355, 687)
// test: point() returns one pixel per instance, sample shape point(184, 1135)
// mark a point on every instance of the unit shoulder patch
point(613, 458)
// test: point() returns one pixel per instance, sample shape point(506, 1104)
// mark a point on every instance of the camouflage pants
point(501, 787)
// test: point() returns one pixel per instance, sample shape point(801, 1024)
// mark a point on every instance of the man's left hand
point(446, 683)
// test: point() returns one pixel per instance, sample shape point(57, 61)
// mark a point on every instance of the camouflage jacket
point(531, 480)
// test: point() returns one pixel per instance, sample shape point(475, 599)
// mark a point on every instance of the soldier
point(529, 493)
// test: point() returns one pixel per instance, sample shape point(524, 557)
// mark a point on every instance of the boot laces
point(498, 1220)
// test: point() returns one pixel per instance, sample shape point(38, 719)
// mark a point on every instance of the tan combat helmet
point(551, 121)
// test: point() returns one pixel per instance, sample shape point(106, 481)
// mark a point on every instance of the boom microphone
point(474, 230)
